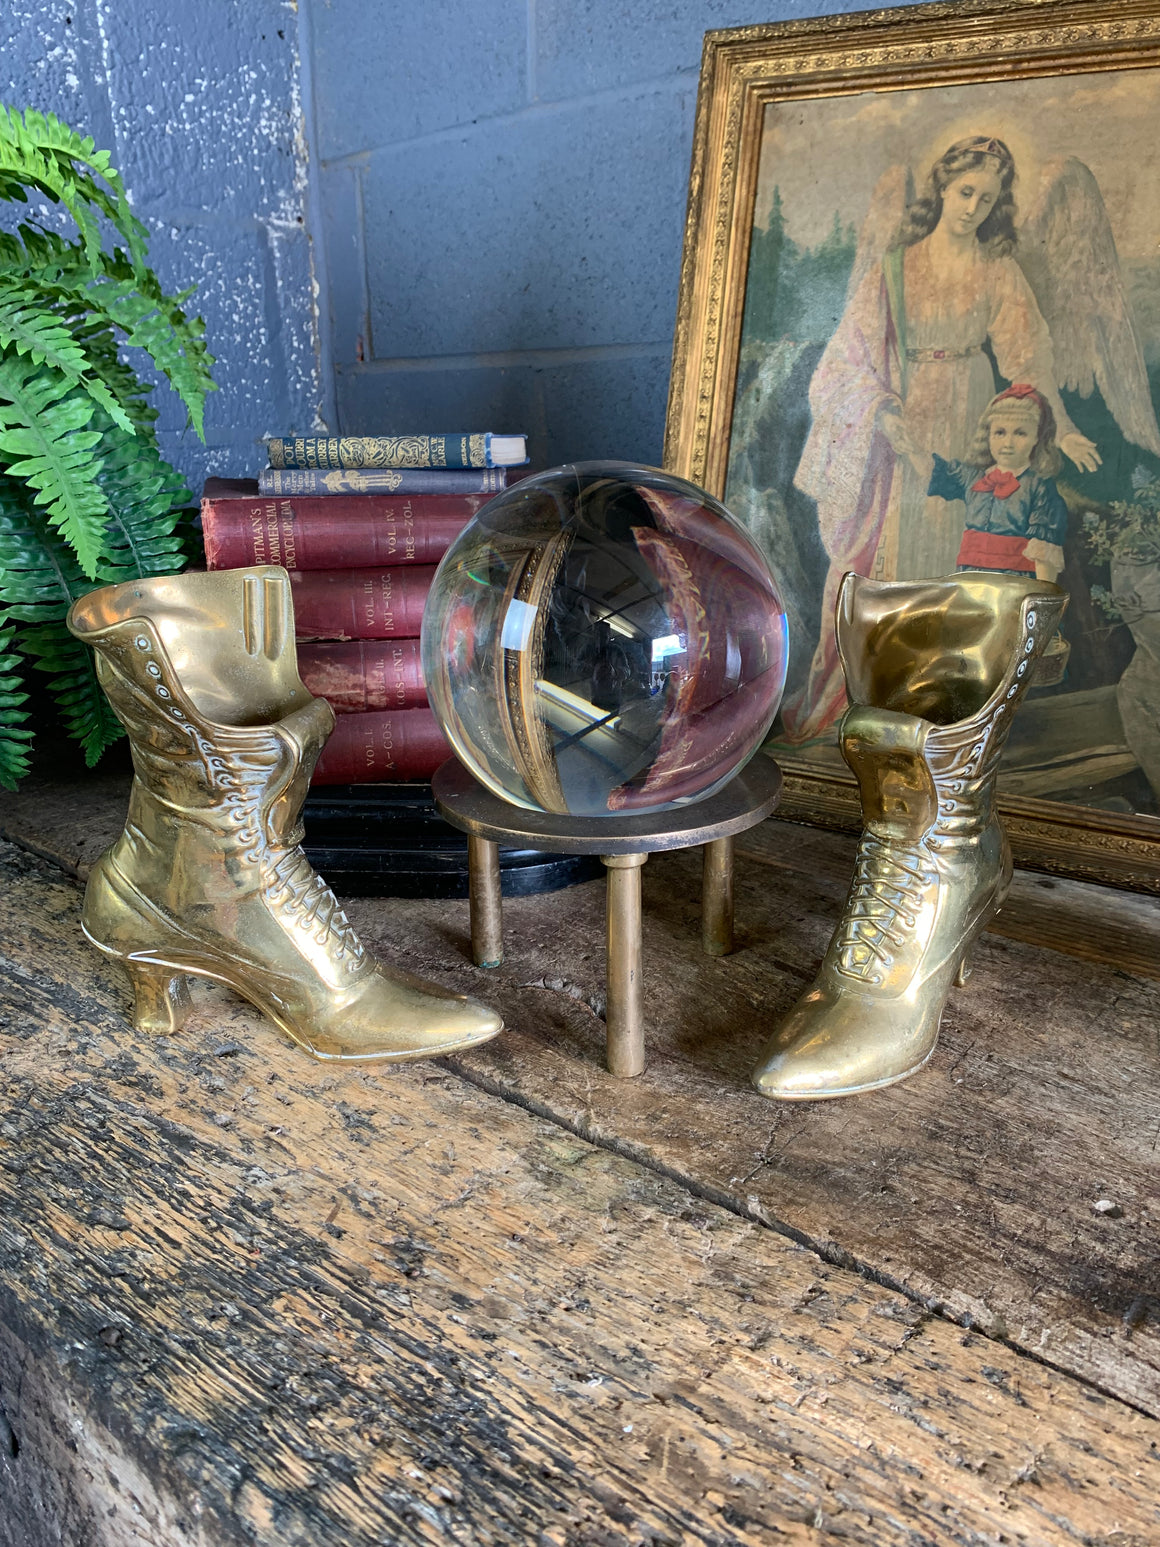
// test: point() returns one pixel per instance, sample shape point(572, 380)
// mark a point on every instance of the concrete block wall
point(451, 214)
point(200, 106)
point(501, 194)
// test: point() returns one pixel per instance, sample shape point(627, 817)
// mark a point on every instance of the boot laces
point(290, 882)
point(296, 888)
point(885, 899)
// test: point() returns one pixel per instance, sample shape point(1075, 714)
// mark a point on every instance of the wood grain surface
point(972, 1185)
point(244, 1298)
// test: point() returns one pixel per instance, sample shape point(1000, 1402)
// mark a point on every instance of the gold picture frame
point(822, 102)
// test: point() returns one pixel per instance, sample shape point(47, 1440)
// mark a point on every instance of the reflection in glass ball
point(603, 639)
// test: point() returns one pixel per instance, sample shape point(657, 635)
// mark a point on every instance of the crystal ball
point(603, 639)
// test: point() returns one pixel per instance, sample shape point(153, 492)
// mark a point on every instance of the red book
point(364, 674)
point(382, 748)
point(360, 603)
point(239, 526)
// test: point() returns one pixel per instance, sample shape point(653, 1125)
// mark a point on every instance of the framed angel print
point(894, 217)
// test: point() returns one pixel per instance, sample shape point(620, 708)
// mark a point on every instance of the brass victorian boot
point(934, 671)
point(208, 878)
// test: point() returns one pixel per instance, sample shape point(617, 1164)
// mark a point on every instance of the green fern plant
point(85, 496)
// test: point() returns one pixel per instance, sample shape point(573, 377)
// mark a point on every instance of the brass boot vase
point(934, 672)
point(208, 879)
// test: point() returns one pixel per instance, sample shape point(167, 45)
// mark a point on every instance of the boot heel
point(965, 968)
point(161, 1002)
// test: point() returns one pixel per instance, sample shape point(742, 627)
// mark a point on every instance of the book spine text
point(382, 480)
point(359, 676)
point(359, 531)
point(386, 748)
point(351, 451)
point(360, 603)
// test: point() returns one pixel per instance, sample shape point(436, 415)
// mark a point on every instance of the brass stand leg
point(625, 1013)
point(717, 897)
point(485, 901)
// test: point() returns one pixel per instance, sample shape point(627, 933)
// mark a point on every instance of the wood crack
point(380, 1304)
point(831, 1252)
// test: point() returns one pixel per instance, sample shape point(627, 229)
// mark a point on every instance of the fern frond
point(126, 297)
point(81, 305)
point(45, 443)
point(53, 276)
point(34, 331)
point(155, 322)
point(31, 245)
point(15, 737)
point(39, 581)
point(96, 336)
point(145, 498)
point(72, 681)
point(39, 574)
point(45, 257)
point(26, 327)
point(58, 293)
point(36, 149)
point(85, 497)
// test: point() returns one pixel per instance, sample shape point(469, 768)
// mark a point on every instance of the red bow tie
point(998, 482)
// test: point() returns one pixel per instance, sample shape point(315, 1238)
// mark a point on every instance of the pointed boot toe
point(397, 1017)
point(800, 1062)
point(841, 1046)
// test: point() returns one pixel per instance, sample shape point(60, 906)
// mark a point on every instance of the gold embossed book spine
point(351, 451)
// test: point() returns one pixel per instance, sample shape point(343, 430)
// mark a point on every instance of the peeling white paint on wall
point(201, 108)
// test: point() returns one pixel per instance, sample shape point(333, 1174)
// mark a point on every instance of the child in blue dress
point(1016, 517)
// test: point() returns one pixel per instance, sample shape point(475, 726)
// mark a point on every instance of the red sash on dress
point(990, 550)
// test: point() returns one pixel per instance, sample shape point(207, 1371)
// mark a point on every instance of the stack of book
point(360, 523)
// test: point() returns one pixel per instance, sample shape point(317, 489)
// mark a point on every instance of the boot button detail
point(142, 642)
point(1031, 618)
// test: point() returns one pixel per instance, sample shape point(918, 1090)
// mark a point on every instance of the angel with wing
point(944, 284)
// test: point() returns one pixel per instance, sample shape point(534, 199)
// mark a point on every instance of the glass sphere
point(604, 639)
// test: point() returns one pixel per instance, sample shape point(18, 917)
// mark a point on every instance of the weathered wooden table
point(509, 1298)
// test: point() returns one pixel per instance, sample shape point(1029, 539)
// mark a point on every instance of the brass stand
point(624, 1014)
point(717, 897)
point(623, 844)
point(483, 885)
